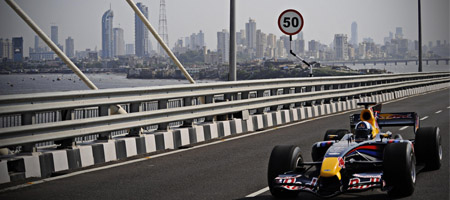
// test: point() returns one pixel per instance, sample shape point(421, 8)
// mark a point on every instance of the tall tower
point(354, 40)
point(118, 42)
point(250, 29)
point(107, 34)
point(70, 47)
point(141, 41)
point(341, 46)
point(54, 34)
point(162, 29)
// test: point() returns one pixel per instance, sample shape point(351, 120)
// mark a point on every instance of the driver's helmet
point(363, 131)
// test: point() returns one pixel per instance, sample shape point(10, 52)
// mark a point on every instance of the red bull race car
point(358, 160)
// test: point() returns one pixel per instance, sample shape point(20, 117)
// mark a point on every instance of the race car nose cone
point(330, 167)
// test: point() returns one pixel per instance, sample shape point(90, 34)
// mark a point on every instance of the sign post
point(290, 23)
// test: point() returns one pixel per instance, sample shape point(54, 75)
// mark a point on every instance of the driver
point(363, 131)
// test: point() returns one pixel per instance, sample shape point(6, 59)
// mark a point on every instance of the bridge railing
point(85, 113)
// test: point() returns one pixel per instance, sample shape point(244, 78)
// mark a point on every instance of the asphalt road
point(236, 168)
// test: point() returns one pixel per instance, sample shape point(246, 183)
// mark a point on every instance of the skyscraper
point(54, 34)
point(250, 30)
point(261, 43)
point(354, 40)
point(399, 33)
point(141, 33)
point(70, 47)
point(341, 46)
point(201, 39)
point(6, 50)
point(119, 43)
point(162, 29)
point(223, 45)
point(36, 43)
point(17, 43)
point(107, 34)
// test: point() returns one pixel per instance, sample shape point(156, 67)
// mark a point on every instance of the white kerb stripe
point(4, 175)
point(86, 155)
point(32, 167)
point(238, 124)
point(150, 143)
point(226, 128)
point(110, 151)
point(60, 160)
point(130, 146)
point(184, 134)
point(200, 134)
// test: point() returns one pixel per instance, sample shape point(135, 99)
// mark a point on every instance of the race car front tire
point(399, 169)
point(428, 147)
point(284, 158)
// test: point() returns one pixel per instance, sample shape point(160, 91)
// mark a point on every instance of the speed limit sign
point(290, 22)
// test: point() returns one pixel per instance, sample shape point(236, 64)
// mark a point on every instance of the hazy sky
point(81, 19)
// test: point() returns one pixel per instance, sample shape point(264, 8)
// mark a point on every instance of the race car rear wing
point(391, 119)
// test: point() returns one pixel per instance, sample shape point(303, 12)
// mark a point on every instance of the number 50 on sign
point(290, 22)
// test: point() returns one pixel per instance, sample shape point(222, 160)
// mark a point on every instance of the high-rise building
point(250, 30)
point(261, 43)
point(243, 37)
point(107, 34)
point(354, 39)
point(313, 46)
point(196, 41)
point(70, 47)
point(36, 43)
point(129, 49)
point(17, 43)
point(223, 45)
point(187, 42)
point(300, 46)
point(141, 33)
point(272, 40)
point(6, 49)
point(119, 42)
point(201, 39)
point(399, 33)
point(286, 43)
point(341, 46)
point(54, 34)
point(162, 30)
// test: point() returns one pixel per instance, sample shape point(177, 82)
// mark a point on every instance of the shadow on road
point(307, 196)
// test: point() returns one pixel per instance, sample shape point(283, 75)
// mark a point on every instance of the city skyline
point(405, 16)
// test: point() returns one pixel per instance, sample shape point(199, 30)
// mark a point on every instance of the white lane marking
point(439, 111)
point(423, 118)
point(403, 128)
point(168, 153)
point(254, 194)
point(448, 107)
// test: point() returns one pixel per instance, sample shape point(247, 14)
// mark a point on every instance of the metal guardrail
point(236, 96)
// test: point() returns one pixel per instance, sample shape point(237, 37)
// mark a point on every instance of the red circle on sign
point(301, 18)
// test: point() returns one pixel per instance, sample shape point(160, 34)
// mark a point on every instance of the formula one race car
point(358, 160)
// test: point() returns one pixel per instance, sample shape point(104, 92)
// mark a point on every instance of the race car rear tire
point(399, 169)
point(428, 147)
point(339, 132)
point(283, 158)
